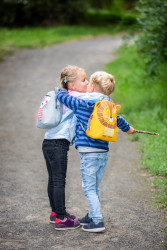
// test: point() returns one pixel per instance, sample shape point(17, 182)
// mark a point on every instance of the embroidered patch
point(40, 114)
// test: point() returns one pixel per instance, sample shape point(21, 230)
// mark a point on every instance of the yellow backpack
point(103, 121)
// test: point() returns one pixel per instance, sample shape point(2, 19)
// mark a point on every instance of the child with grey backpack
point(55, 149)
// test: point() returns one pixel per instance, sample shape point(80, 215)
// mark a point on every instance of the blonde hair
point(69, 74)
point(103, 82)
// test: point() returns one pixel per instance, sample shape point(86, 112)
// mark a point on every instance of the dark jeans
point(55, 153)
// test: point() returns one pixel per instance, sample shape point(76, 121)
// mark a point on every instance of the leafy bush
point(105, 17)
point(153, 40)
point(40, 12)
point(112, 5)
point(97, 17)
point(19, 13)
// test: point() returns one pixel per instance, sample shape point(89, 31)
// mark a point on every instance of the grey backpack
point(50, 111)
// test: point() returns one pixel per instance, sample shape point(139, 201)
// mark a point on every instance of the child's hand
point(131, 130)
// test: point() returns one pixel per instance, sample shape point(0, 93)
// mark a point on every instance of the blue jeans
point(92, 170)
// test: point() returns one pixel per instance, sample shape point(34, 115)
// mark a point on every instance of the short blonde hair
point(103, 82)
point(69, 74)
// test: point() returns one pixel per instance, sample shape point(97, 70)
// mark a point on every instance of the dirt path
point(130, 219)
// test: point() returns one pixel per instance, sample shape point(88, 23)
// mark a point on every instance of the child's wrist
point(131, 130)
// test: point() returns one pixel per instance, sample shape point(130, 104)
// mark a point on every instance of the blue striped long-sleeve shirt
point(83, 109)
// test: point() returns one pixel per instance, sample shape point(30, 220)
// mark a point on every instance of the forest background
point(140, 68)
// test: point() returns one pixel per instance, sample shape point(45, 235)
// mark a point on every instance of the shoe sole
point(94, 230)
point(52, 221)
point(66, 228)
point(83, 224)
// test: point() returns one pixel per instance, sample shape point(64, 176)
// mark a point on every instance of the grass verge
point(28, 37)
point(144, 102)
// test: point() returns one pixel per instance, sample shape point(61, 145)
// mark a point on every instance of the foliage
point(41, 12)
point(111, 12)
point(144, 102)
point(20, 13)
point(153, 40)
point(112, 5)
point(103, 17)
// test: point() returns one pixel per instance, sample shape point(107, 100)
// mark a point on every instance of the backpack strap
point(56, 101)
point(56, 97)
point(68, 116)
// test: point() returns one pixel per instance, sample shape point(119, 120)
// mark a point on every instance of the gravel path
point(131, 220)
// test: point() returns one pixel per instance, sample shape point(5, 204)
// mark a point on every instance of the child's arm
point(131, 130)
point(124, 125)
point(72, 102)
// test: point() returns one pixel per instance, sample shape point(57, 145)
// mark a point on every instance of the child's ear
point(118, 107)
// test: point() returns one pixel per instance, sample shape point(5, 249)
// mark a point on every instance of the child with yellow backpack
point(97, 114)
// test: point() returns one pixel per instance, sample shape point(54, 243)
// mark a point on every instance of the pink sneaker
point(72, 216)
point(53, 216)
point(66, 224)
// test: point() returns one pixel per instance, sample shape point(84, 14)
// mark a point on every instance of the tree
point(153, 40)
point(41, 12)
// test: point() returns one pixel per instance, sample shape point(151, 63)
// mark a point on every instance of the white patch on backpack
point(45, 100)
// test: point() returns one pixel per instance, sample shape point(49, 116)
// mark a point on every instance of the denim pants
point(92, 170)
point(55, 154)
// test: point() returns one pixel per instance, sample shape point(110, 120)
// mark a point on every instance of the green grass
point(11, 39)
point(144, 102)
point(161, 194)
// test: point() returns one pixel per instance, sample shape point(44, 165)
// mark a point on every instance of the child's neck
point(99, 91)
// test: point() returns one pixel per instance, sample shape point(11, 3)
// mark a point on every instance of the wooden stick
point(146, 132)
